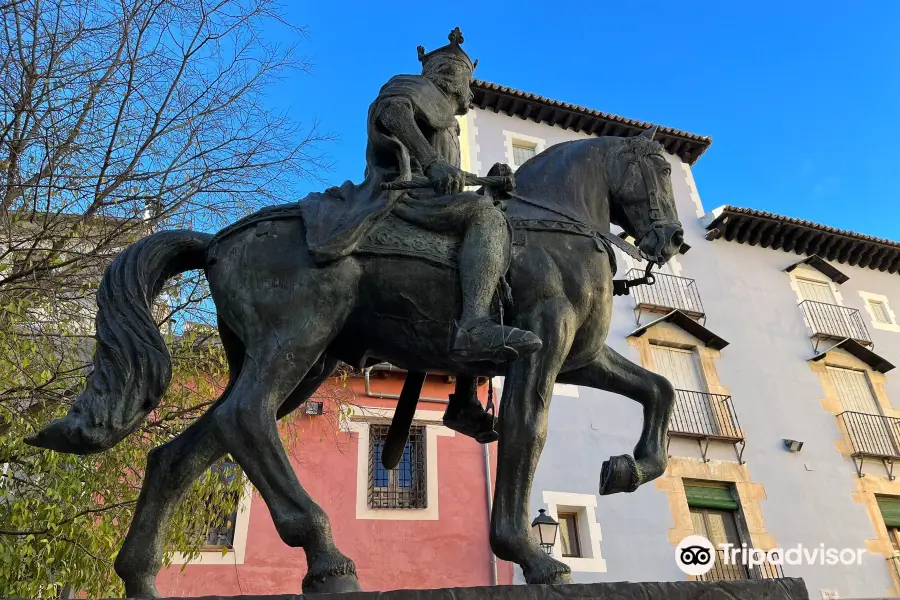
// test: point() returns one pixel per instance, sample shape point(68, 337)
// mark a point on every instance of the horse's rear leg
point(613, 372)
point(246, 425)
point(171, 469)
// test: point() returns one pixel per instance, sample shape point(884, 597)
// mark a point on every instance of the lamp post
point(545, 529)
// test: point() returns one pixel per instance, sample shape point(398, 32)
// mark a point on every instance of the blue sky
point(802, 99)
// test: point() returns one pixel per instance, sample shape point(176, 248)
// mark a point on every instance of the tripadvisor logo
point(696, 555)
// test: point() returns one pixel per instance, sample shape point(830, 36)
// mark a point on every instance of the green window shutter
point(703, 496)
point(890, 511)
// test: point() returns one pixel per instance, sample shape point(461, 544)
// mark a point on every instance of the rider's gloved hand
point(445, 178)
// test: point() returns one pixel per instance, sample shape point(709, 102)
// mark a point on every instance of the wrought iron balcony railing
point(668, 293)
point(736, 571)
point(833, 321)
point(706, 417)
point(872, 436)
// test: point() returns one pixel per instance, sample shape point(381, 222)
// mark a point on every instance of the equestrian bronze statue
point(515, 279)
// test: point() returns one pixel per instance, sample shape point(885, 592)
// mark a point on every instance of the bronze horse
point(286, 323)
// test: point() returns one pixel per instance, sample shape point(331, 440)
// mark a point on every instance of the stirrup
point(478, 431)
point(504, 343)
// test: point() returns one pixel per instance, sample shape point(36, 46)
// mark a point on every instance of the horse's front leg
point(613, 372)
point(527, 392)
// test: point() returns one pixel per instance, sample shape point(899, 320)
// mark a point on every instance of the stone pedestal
point(770, 589)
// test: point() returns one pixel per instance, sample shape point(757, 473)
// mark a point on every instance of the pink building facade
point(422, 525)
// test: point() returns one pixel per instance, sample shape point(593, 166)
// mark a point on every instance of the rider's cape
point(338, 219)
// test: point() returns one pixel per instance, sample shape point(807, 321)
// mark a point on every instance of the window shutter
point(879, 310)
point(890, 511)
point(704, 496)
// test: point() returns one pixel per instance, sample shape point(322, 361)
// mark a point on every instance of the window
point(879, 311)
point(894, 533)
point(679, 366)
point(853, 390)
point(229, 529)
point(713, 515)
point(579, 535)
point(890, 512)
point(870, 432)
point(522, 152)
point(817, 291)
point(221, 531)
point(404, 485)
point(520, 148)
point(568, 534)
point(692, 412)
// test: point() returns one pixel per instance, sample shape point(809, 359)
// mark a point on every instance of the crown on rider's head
point(452, 51)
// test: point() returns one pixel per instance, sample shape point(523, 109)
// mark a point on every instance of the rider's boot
point(466, 415)
point(482, 259)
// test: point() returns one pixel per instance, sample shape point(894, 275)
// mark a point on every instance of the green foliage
point(119, 119)
point(63, 517)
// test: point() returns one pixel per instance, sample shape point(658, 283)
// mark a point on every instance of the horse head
point(642, 202)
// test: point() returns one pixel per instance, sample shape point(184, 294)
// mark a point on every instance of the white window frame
point(235, 555)
point(521, 139)
point(358, 423)
point(589, 534)
point(870, 297)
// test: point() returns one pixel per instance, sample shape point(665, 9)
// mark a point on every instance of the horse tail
point(132, 365)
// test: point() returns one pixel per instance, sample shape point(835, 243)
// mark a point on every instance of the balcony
point(705, 417)
point(738, 572)
point(830, 321)
point(874, 437)
point(668, 293)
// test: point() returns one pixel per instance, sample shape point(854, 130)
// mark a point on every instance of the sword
point(500, 181)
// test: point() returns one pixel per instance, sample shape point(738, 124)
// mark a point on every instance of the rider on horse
point(413, 132)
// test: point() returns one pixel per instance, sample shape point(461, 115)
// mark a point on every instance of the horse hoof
point(142, 588)
point(619, 474)
point(335, 574)
point(549, 572)
point(334, 584)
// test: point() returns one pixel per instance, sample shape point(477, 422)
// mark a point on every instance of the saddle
point(395, 237)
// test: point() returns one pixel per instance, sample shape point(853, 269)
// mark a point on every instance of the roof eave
point(687, 146)
point(679, 319)
point(859, 351)
point(804, 238)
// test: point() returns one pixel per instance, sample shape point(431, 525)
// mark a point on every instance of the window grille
point(404, 485)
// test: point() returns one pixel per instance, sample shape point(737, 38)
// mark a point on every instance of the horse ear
point(649, 133)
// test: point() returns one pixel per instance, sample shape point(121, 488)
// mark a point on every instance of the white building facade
point(780, 336)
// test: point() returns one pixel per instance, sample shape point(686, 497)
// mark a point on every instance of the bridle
point(640, 152)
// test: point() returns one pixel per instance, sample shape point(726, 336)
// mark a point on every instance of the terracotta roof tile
point(802, 237)
point(804, 223)
point(689, 146)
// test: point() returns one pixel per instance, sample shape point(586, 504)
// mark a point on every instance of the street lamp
point(545, 529)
